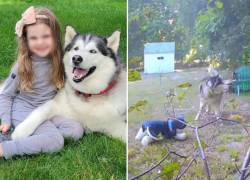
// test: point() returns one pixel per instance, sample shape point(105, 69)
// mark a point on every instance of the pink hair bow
point(28, 17)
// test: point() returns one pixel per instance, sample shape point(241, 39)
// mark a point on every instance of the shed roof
point(159, 47)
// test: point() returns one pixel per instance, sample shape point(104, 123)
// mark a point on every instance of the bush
point(135, 62)
point(133, 75)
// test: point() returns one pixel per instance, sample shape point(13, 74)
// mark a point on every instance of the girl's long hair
point(24, 60)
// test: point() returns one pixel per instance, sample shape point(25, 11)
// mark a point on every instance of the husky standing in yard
point(95, 88)
point(212, 90)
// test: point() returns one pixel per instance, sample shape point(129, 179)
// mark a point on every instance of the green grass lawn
point(95, 156)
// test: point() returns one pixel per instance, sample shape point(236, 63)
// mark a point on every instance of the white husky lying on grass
point(95, 88)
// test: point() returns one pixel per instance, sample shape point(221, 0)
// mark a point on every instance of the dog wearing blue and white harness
point(152, 129)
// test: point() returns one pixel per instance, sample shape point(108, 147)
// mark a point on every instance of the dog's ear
point(212, 71)
point(69, 35)
point(114, 41)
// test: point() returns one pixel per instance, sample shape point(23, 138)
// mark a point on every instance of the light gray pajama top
point(16, 105)
point(24, 102)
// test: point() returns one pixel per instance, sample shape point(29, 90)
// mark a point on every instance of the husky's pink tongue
point(79, 72)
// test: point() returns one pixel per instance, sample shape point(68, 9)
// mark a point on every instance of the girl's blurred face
point(40, 40)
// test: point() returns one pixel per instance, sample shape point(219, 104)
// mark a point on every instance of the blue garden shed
point(159, 57)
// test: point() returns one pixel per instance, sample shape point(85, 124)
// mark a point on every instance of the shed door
point(159, 63)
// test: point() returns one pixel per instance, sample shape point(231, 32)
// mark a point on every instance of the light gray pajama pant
point(48, 137)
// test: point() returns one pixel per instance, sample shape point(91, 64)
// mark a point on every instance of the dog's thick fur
point(100, 112)
point(212, 90)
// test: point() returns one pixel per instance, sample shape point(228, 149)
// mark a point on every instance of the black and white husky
point(212, 90)
point(95, 88)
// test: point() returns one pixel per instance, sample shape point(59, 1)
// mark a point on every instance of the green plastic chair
point(242, 79)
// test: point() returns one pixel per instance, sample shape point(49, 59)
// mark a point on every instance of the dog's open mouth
point(80, 74)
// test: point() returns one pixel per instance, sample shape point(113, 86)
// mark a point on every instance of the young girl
point(35, 79)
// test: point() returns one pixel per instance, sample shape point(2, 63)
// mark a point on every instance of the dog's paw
point(146, 140)
point(20, 132)
point(181, 136)
point(140, 134)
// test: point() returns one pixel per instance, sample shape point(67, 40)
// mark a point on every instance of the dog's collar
point(105, 91)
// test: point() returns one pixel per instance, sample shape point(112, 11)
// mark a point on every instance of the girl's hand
point(4, 128)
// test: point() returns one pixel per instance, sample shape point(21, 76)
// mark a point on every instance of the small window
point(160, 58)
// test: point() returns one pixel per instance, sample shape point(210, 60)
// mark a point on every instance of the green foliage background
point(215, 28)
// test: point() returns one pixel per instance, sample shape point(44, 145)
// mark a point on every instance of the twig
point(181, 168)
point(245, 164)
point(154, 166)
point(237, 168)
point(185, 170)
point(181, 156)
point(194, 127)
point(242, 124)
point(232, 120)
point(170, 97)
point(247, 175)
point(211, 122)
point(188, 125)
point(202, 153)
point(245, 129)
point(248, 167)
